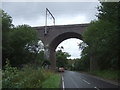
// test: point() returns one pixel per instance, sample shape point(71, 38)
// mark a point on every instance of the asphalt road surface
point(81, 81)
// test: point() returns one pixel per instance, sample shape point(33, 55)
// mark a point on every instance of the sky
point(33, 14)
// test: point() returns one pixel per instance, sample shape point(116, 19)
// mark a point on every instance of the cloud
point(71, 46)
point(29, 12)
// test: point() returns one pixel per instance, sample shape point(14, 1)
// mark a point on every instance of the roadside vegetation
point(106, 74)
point(54, 81)
point(23, 55)
point(20, 44)
point(61, 58)
point(23, 62)
point(29, 77)
point(101, 44)
point(101, 38)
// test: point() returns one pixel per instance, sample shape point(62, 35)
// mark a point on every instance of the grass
point(29, 77)
point(106, 74)
point(52, 82)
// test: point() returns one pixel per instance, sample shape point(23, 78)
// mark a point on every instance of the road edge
point(103, 79)
point(63, 85)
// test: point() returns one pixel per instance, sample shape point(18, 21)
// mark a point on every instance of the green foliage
point(109, 12)
point(61, 58)
point(8, 75)
point(102, 36)
point(28, 77)
point(107, 74)
point(6, 27)
point(76, 65)
point(80, 64)
point(52, 82)
point(41, 61)
point(84, 64)
point(21, 40)
point(31, 78)
point(20, 44)
point(6, 21)
point(70, 65)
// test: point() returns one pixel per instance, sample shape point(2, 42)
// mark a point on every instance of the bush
point(28, 77)
point(107, 74)
point(8, 75)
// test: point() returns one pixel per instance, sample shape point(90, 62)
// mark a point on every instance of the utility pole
point(48, 11)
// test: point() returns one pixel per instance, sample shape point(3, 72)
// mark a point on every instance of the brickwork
point(55, 35)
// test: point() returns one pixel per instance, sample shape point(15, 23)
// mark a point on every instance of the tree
point(102, 36)
point(61, 58)
point(6, 27)
point(23, 41)
point(20, 44)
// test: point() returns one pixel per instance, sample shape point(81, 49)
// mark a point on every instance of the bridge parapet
point(61, 26)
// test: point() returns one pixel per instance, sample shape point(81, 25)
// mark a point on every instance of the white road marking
point(86, 81)
point(63, 83)
point(96, 88)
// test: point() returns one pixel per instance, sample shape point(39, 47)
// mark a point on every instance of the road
point(74, 80)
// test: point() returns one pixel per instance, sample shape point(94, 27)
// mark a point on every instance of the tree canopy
point(102, 36)
point(20, 43)
point(61, 58)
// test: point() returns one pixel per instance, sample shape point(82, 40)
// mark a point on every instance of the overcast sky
point(33, 14)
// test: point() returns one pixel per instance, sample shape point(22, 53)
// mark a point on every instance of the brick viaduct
point(55, 35)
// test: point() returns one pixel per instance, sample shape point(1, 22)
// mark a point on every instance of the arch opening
point(71, 46)
point(57, 41)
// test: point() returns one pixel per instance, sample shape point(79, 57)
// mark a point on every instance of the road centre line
point(86, 81)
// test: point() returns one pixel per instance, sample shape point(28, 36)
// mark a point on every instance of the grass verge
point(106, 74)
point(52, 82)
point(29, 77)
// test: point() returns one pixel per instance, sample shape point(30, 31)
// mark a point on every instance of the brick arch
point(57, 40)
point(55, 35)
